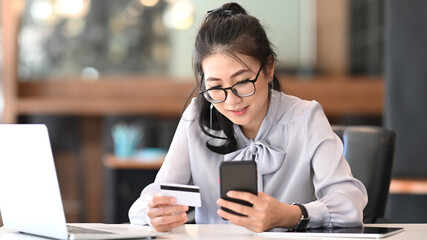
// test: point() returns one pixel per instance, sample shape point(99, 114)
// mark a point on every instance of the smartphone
point(238, 176)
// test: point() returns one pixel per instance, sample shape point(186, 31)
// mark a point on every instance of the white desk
point(226, 232)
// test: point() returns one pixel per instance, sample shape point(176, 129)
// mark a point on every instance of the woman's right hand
point(164, 215)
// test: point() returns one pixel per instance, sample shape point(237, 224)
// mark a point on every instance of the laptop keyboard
point(80, 230)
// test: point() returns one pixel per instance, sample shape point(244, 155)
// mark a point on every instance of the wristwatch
point(303, 222)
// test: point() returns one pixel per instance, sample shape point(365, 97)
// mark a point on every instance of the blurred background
point(84, 66)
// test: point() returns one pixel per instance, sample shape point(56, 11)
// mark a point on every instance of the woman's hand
point(266, 212)
point(164, 215)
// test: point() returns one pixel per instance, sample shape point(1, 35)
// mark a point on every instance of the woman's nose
point(232, 98)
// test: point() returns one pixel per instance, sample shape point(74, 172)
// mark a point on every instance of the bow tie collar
point(268, 158)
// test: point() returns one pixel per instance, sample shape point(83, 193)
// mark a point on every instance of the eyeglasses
point(242, 89)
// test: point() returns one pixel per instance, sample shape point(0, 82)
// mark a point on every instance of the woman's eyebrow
point(239, 73)
point(232, 75)
point(212, 79)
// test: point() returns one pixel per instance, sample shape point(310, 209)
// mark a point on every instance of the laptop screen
point(30, 196)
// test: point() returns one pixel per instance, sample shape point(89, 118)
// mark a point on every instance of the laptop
point(30, 199)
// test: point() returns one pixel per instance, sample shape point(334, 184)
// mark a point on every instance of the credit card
point(188, 195)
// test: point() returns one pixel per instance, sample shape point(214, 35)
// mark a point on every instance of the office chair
point(370, 151)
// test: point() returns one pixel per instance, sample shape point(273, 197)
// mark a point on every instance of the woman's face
point(221, 70)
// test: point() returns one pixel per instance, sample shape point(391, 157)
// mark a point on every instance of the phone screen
point(238, 176)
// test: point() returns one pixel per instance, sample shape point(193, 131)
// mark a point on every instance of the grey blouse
point(298, 155)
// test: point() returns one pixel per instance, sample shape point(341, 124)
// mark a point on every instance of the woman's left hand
point(266, 212)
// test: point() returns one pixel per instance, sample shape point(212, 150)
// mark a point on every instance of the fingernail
point(230, 193)
point(172, 200)
point(183, 215)
point(185, 208)
point(219, 201)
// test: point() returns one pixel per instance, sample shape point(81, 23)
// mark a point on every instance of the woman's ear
point(271, 62)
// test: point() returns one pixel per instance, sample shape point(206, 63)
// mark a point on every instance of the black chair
point(369, 151)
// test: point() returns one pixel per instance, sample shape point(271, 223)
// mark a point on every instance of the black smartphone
point(238, 176)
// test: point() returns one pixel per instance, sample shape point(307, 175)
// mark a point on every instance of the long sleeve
point(340, 197)
point(175, 169)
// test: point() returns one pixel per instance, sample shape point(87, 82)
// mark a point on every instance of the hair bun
point(229, 9)
point(236, 8)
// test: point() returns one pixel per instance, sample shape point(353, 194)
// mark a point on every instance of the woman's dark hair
point(227, 30)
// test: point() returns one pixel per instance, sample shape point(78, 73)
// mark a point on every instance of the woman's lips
point(239, 112)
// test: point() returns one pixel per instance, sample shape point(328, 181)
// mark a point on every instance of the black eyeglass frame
point(203, 92)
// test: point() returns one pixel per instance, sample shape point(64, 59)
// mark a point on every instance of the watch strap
point(303, 222)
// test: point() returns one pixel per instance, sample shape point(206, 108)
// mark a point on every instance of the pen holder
point(126, 139)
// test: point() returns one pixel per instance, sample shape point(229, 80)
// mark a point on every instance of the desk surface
point(225, 232)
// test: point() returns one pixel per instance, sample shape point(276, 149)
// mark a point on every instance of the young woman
point(241, 113)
